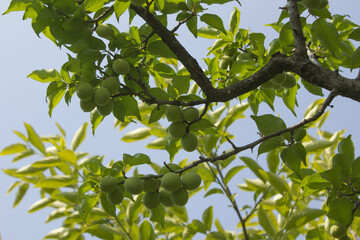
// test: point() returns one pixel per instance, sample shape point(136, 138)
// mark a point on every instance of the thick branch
point(180, 52)
point(300, 45)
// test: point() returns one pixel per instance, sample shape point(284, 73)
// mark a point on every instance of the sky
point(23, 100)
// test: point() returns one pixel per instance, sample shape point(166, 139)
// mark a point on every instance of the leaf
point(213, 191)
point(56, 181)
point(147, 231)
point(158, 215)
point(293, 156)
point(119, 111)
point(213, 21)
point(68, 156)
point(87, 203)
point(341, 210)
point(234, 20)
point(93, 5)
point(254, 167)
point(326, 33)
point(277, 182)
point(47, 162)
point(355, 60)
point(136, 135)
point(303, 216)
point(40, 204)
point(79, 136)
point(17, 5)
point(192, 25)
point(23, 187)
point(231, 173)
point(45, 75)
point(160, 49)
point(268, 123)
point(265, 222)
point(120, 7)
point(289, 98)
point(157, 113)
point(34, 138)
point(316, 90)
point(107, 206)
point(13, 148)
point(270, 144)
point(355, 34)
point(215, 236)
point(207, 218)
point(137, 159)
point(55, 92)
point(95, 119)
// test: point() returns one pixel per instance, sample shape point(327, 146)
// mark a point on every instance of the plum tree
point(228, 109)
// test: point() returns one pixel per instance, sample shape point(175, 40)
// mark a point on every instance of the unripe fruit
point(87, 106)
point(177, 129)
point(151, 199)
point(180, 197)
point(172, 166)
point(171, 182)
point(108, 184)
point(85, 91)
point(279, 79)
point(338, 230)
point(189, 142)
point(103, 30)
point(230, 51)
point(138, 3)
point(101, 96)
point(312, 4)
point(190, 114)
point(191, 180)
point(115, 197)
point(173, 113)
point(121, 66)
point(106, 109)
point(289, 82)
point(151, 184)
point(134, 185)
point(112, 84)
point(165, 198)
point(224, 62)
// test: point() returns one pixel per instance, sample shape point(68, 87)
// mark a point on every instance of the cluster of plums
point(170, 190)
point(101, 96)
point(281, 80)
point(179, 128)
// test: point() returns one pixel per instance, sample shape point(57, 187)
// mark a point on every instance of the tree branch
point(300, 45)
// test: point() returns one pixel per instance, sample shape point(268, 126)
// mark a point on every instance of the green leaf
point(317, 145)
point(137, 159)
point(293, 155)
point(355, 168)
point(119, 111)
point(172, 147)
point(131, 106)
point(289, 98)
point(254, 167)
point(93, 5)
point(157, 113)
point(120, 7)
point(231, 173)
point(265, 222)
point(316, 90)
point(213, 191)
point(56, 181)
point(23, 187)
point(40, 204)
point(268, 123)
point(273, 160)
point(207, 218)
point(213, 21)
point(18, 5)
point(208, 32)
point(160, 49)
point(95, 119)
point(316, 234)
point(13, 148)
point(158, 215)
point(215, 236)
point(346, 146)
point(326, 33)
point(355, 34)
point(45, 75)
point(158, 143)
point(79, 136)
point(234, 20)
point(341, 210)
point(67, 155)
point(147, 231)
point(277, 182)
point(304, 216)
point(55, 92)
point(355, 60)
point(34, 138)
point(47, 162)
point(136, 135)
point(270, 144)
point(87, 203)
point(192, 25)
point(107, 206)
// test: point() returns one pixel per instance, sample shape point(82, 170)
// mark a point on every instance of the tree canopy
point(305, 180)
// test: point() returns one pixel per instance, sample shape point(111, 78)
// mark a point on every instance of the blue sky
point(23, 100)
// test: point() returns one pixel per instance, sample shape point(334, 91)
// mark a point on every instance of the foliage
point(305, 164)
